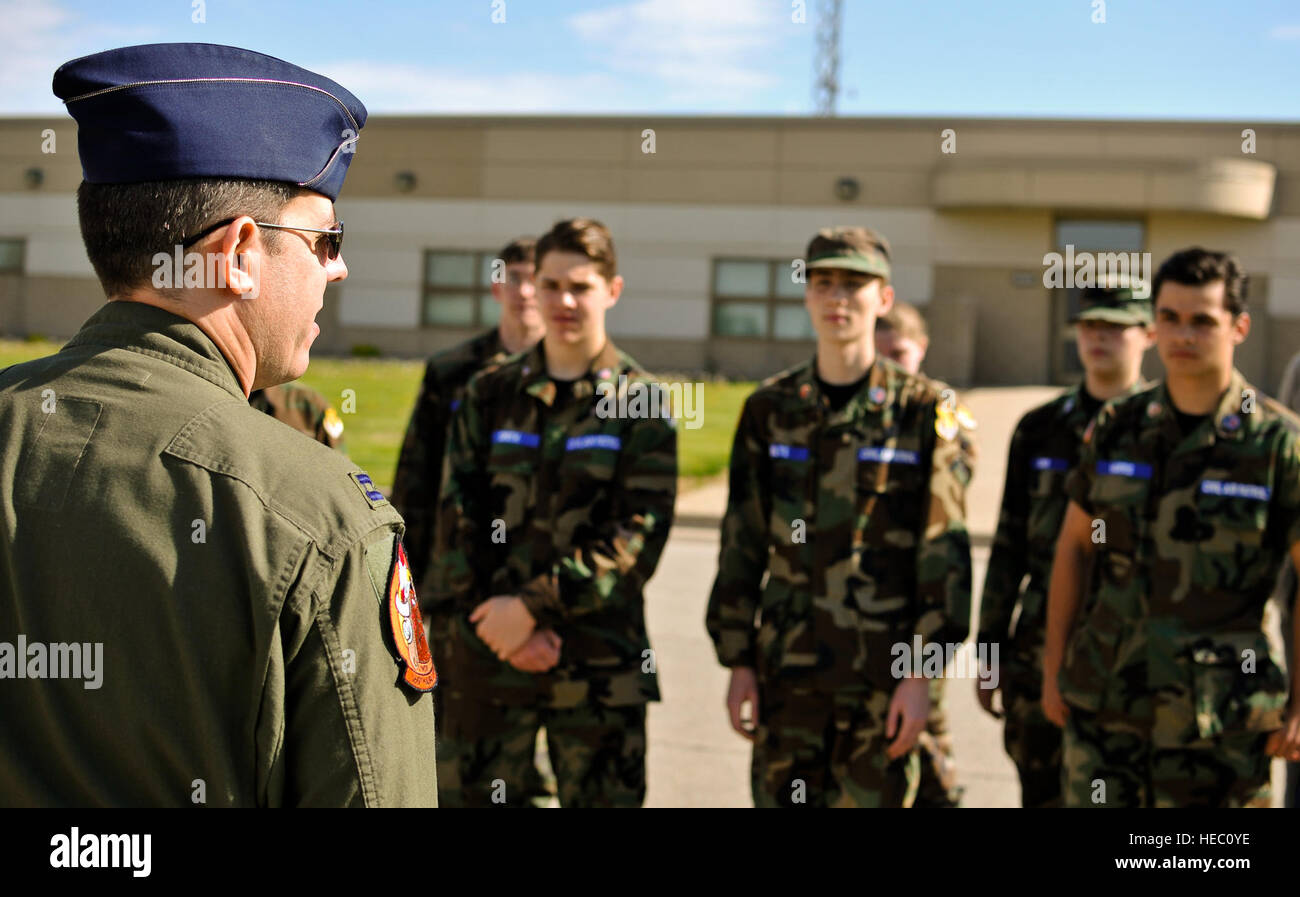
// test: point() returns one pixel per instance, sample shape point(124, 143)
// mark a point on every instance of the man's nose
point(337, 269)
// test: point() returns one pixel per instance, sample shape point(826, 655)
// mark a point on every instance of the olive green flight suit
point(227, 578)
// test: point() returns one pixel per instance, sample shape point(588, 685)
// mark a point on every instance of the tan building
point(711, 215)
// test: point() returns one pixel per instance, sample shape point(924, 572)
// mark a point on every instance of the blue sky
point(1149, 59)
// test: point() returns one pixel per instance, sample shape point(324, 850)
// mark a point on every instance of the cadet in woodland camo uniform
point(902, 337)
point(1113, 332)
point(419, 465)
point(1185, 502)
point(303, 409)
point(561, 477)
point(844, 537)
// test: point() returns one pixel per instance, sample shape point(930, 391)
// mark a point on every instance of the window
point(1085, 236)
point(458, 289)
point(758, 299)
point(11, 256)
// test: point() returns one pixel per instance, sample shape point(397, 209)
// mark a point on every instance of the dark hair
point(1196, 267)
point(585, 236)
point(520, 249)
point(124, 225)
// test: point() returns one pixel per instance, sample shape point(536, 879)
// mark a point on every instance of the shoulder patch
point(407, 626)
point(945, 423)
point(333, 423)
point(367, 487)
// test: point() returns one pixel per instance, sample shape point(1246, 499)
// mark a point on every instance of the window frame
point(21, 267)
point(479, 290)
point(771, 300)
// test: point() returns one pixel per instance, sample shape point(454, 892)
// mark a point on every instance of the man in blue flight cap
point(206, 606)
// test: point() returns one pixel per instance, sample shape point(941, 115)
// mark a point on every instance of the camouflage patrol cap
point(1116, 301)
point(852, 248)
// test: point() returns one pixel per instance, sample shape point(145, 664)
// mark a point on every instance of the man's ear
point(242, 252)
point(886, 300)
point(615, 290)
point(1240, 328)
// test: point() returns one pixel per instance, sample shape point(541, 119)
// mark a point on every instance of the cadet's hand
point(910, 704)
point(985, 695)
point(504, 623)
point(540, 653)
point(1054, 706)
point(1285, 742)
point(743, 690)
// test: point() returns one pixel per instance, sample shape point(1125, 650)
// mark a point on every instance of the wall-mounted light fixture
point(847, 188)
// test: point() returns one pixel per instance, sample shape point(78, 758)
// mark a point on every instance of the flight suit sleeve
point(460, 525)
point(602, 572)
point(419, 472)
point(1009, 560)
point(943, 562)
point(742, 560)
point(355, 733)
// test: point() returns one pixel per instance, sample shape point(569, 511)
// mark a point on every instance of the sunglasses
point(333, 237)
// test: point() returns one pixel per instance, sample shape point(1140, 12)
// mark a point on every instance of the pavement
point(693, 758)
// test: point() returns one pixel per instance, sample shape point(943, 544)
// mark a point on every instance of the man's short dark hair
point(1196, 267)
point(520, 249)
point(124, 225)
point(585, 236)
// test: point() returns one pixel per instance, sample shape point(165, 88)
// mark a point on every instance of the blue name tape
point(888, 455)
point(1236, 490)
point(1130, 469)
point(594, 441)
point(1059, 464)
point(787, 452)
point(515, 437)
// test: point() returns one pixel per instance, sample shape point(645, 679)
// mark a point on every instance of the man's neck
point(1198, 394)
point(1106, 388)
point(218, 322)
point(569, 361)
point(517, 336)
point(843, 363)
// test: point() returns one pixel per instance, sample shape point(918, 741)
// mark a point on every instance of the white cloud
point(1285, 32)
point(40, 35)
point(409, 88)
point(714, 45)
point(624, 59)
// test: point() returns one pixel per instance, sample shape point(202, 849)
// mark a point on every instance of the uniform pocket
point(1235, 691)
point(1231, 517)
point(1119, 496)
point(1088, 668)
point(1047, 504)
point(788, 490)
point(512, 472)
point(893, 496)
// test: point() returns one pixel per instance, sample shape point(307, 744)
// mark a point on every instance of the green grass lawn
point(384, 392)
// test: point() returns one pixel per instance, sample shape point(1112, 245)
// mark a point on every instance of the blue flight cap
point(167, 111)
